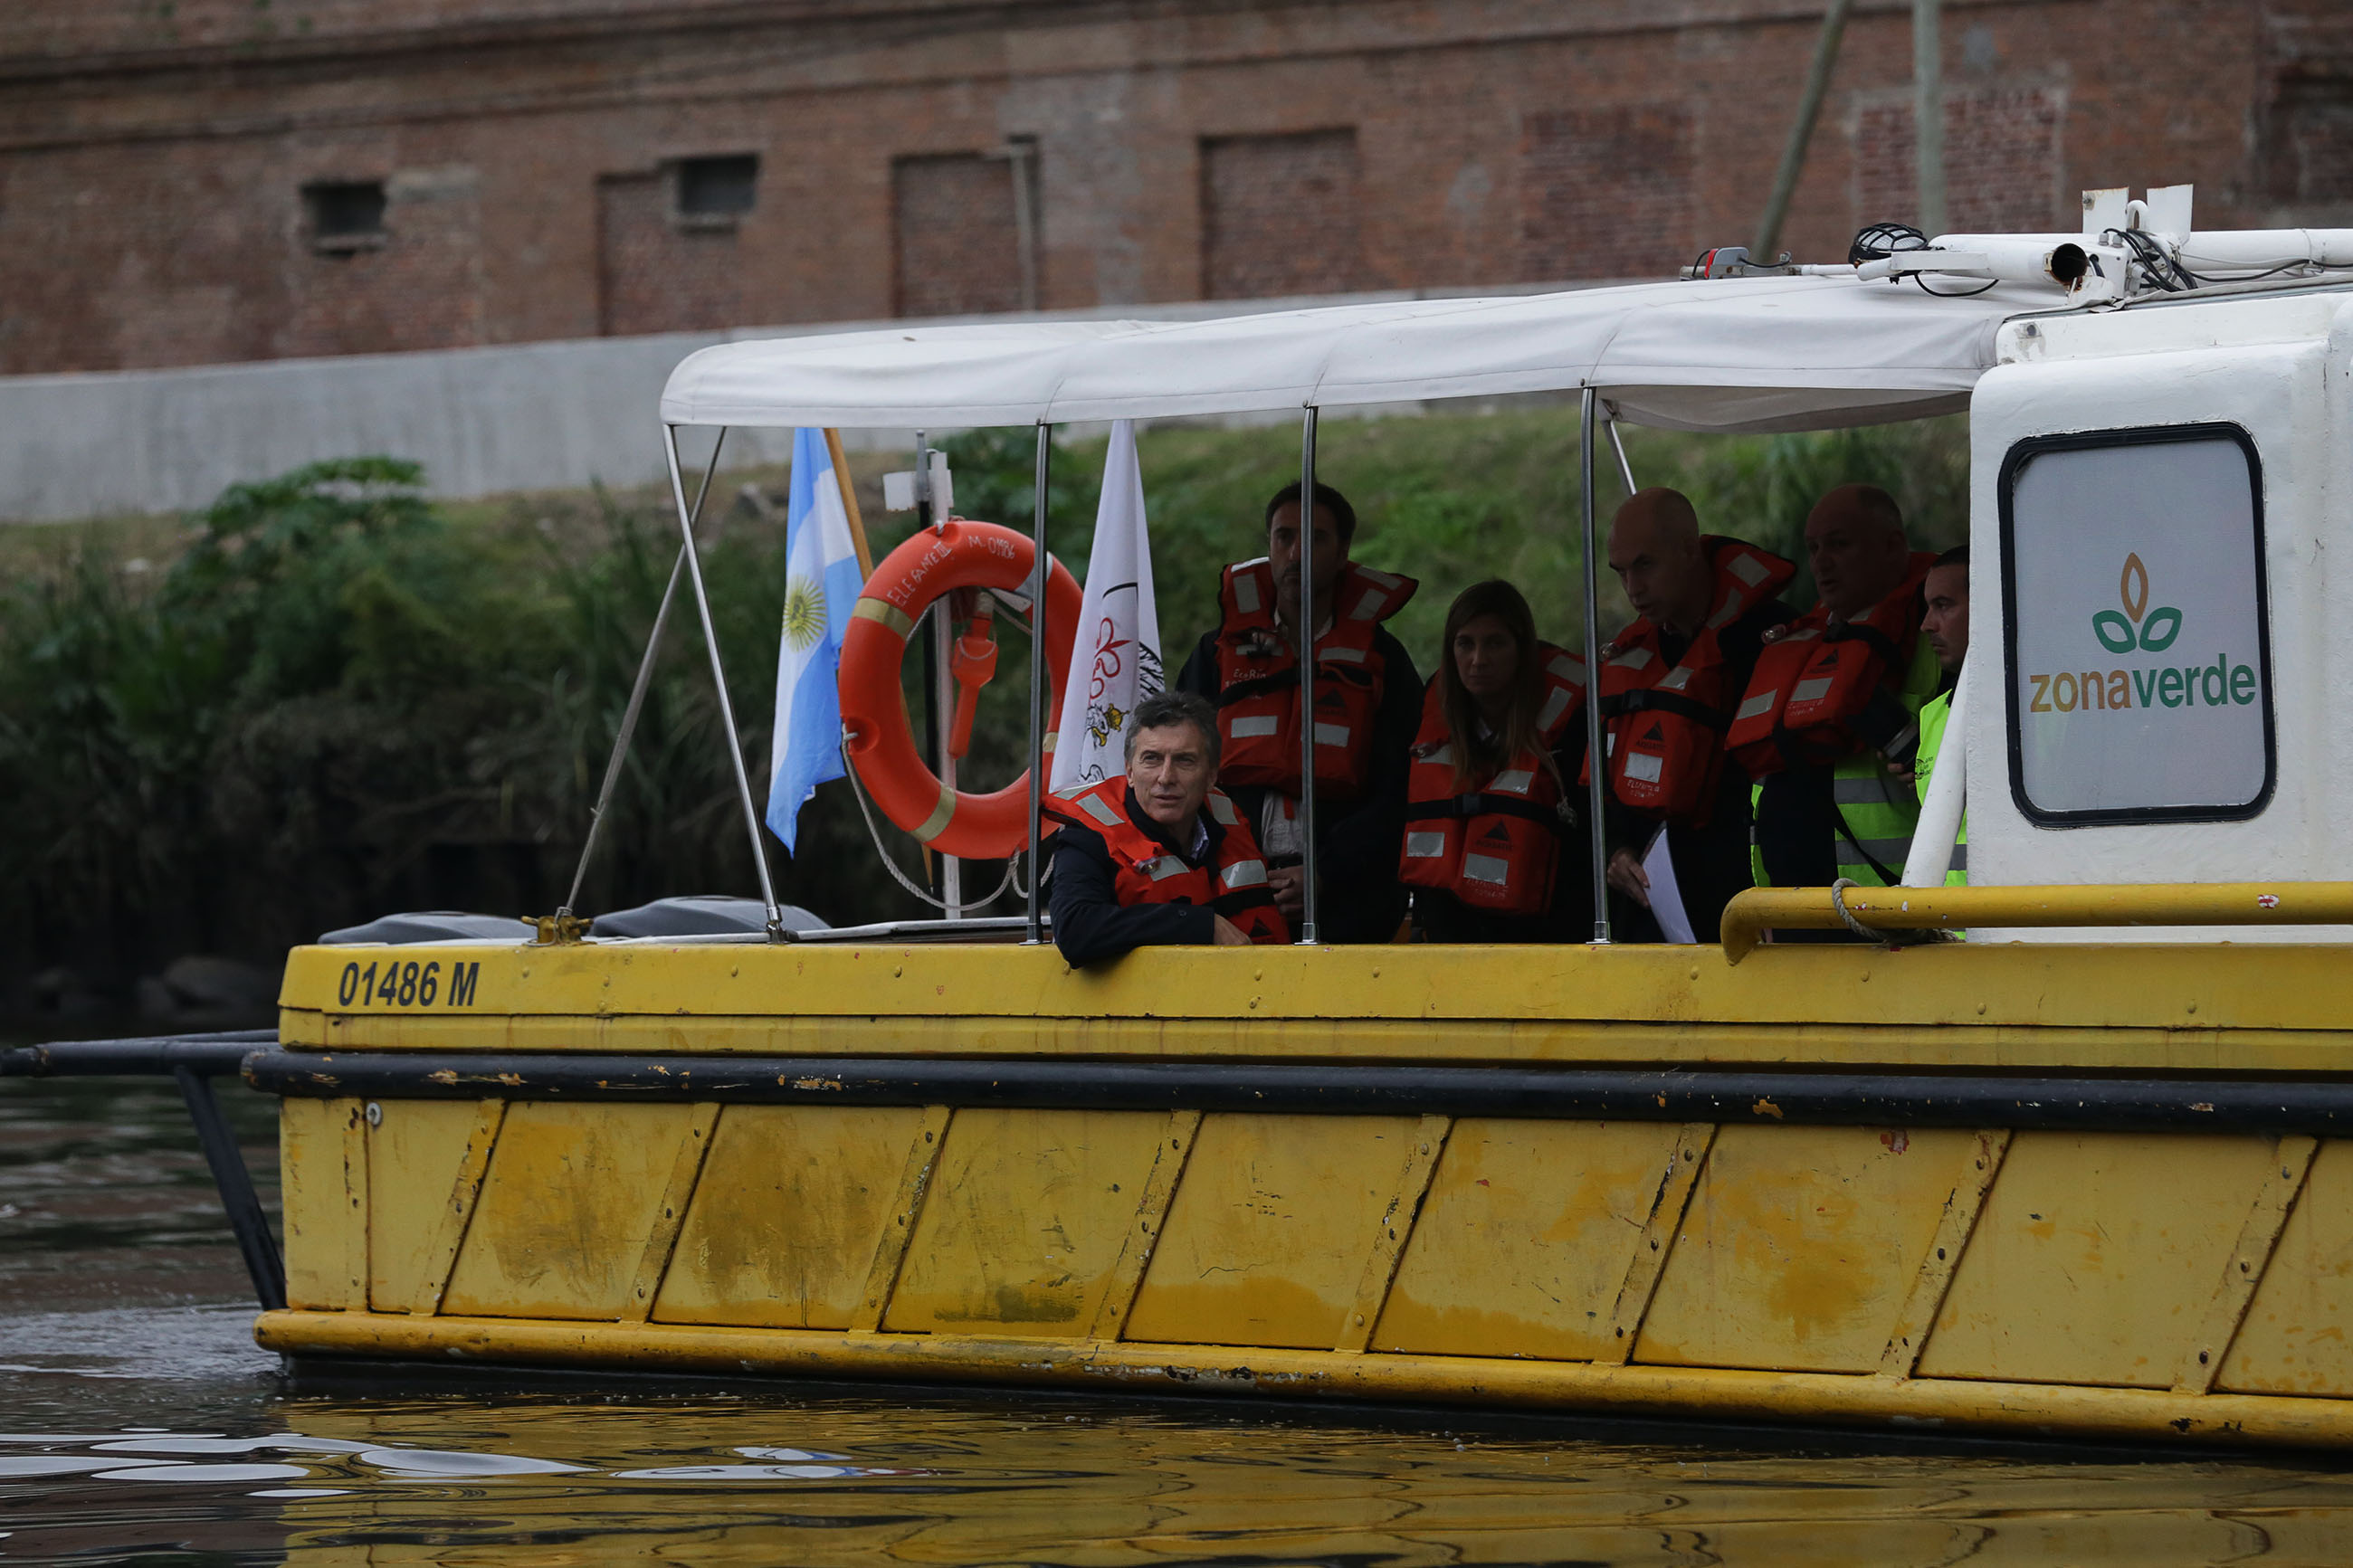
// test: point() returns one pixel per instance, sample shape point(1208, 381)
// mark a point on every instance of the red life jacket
point(1235, 885)
point(1258, 682)
point(1497, 847)
point(1666, 723)
point(1815, 680)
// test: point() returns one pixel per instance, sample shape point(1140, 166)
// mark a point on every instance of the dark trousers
point(1797, 838)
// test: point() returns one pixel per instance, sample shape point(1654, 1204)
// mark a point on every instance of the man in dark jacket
point(1157, 857)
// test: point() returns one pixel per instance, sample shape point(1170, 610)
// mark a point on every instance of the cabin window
point(2137, 636)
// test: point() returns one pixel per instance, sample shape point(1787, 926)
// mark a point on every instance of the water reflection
point(140, 1426)
point(854, 1478)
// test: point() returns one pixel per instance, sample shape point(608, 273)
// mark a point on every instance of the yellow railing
point(1893, 909)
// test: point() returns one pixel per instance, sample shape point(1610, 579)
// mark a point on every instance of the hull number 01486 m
point(409, 984)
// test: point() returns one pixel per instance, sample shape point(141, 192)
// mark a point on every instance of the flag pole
point(1037, 672)
point(849, 503)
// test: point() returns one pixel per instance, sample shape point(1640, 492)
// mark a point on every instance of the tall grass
point(338, 699)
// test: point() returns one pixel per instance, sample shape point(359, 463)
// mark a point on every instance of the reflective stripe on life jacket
point(1258, 682)
point(1497, 845)
point(1234, 883)
point(1821, 689)
point(1666, 723)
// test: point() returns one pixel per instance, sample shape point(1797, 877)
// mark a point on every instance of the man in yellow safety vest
point(1946, 624)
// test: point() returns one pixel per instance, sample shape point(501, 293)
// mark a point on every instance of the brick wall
point(1279, 216)
point(420, 288)
point(658, 270)
point(1608, 193)
point(2003, 164)
point(152, 165)
point(956, 243)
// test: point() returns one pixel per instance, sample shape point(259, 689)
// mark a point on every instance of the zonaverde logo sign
point(2134, 570)
point(2138, 629)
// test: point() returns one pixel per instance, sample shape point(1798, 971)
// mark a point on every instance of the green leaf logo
point(2128, 632)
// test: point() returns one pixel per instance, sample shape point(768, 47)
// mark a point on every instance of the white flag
point(1115, 659)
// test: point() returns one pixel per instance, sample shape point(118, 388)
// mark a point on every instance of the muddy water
point(139, 1425)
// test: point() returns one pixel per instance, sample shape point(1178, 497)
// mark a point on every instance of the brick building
point(195, 181)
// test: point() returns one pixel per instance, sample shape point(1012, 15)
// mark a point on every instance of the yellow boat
point(2086, 1173)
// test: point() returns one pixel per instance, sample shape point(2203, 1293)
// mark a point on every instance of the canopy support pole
point(1304, 643)
point(1625, 468)
point(728, 735)
point(628, 732)
point(1038, 671)
point(1597, 760)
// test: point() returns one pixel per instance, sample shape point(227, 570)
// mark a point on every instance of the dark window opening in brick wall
point(1279, 215)
point(344, 215)
point(1607, 193)
point(2003, 173)
point(2307, 143)
point(656, 271)
point(959, 233)
point(716, 191)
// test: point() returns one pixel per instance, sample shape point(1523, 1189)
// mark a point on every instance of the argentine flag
point(820, 589)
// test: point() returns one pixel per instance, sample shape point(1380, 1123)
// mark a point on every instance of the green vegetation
point(326, 699)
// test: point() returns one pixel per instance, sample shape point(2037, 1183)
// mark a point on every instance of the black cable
point(1922, 280)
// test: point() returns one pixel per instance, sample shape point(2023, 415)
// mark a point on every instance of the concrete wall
point(482, 421)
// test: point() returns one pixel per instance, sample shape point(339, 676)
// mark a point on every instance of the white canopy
point(1732, 354)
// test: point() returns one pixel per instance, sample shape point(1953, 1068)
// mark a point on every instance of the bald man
point(1835, 699)
point(1670, 681)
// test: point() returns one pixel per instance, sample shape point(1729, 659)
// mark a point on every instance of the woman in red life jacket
point(1367, 700)
point(1494, 846)
point(1156, 857)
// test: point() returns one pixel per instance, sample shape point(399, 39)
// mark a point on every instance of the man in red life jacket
point(1670, 682)
point(1835, 699)
point(1367, 708)
point(1158, 857)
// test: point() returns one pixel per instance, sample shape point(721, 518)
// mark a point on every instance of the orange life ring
point(960, 553)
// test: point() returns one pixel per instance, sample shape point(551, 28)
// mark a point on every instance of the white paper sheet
point(1666, 899)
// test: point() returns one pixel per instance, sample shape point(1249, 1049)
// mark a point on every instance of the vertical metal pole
point(1928, 111)
point(1038, 686)
point(1597, 761)
point(939, 684)
point(622, 736)
point(1809, 109)
point(728, 733)
point(1305, 644)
